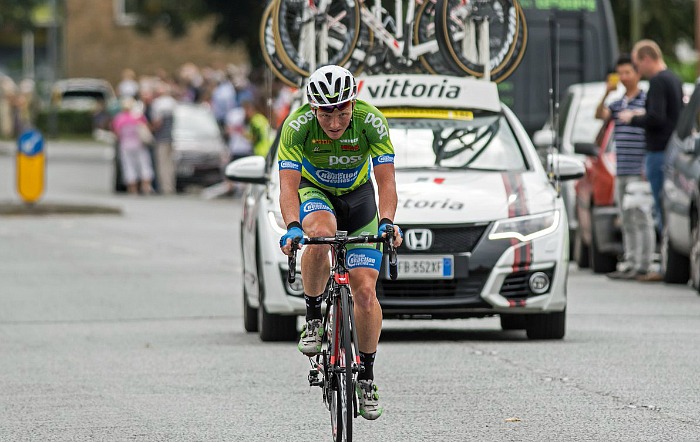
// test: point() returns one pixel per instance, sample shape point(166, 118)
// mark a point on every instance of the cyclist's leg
point(317, 219)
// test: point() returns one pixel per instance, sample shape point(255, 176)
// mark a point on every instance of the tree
point(665, 21)
point(235, 20)
point(17, 14)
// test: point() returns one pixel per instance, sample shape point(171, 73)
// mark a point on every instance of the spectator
point(663, 106)
point(162, 109)
point(223, 99)
point(129, 126)
point(630, 148)
point(258, 128)
point(128, 87)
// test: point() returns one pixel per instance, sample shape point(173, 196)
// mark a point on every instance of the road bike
point(451, 37)
point(335, 369)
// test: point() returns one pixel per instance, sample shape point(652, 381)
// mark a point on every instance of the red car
point(598, 240)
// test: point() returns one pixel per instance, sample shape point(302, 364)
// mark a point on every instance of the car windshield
point(191, 122)
point(586, 126)
point(480, 142)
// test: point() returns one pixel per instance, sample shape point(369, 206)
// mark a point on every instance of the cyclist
point(326, 147)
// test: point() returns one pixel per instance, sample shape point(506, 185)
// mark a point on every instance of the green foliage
point(665, 21)
point(68, 122)
point(17, 13)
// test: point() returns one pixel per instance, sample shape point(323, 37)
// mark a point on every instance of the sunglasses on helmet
point(331, 108)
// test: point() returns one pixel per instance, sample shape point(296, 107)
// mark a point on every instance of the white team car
point(485, 231)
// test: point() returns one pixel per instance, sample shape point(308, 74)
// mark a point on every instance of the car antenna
point(555, 146)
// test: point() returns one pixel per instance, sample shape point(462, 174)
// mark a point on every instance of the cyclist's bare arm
point(386, 189)
point(289, 199)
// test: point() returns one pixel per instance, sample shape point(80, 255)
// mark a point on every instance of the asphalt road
point(129, 327)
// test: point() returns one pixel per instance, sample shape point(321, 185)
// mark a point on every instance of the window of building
point(125, 12)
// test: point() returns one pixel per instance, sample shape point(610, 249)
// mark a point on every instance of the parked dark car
point(598, 239)
point(680, 245)
point(199, 149)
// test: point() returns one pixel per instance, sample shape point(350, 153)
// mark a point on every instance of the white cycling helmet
point(330, 85)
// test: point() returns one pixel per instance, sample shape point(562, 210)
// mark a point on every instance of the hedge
point(68, 122)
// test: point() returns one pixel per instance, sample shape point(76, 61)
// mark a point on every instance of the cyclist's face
point(335, 122)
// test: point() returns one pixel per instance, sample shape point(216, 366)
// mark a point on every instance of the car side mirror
point(588, 149)
point(543, 138)
point(247, 170)
point(565, 167)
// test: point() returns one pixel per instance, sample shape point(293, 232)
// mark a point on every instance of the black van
point(587, 52)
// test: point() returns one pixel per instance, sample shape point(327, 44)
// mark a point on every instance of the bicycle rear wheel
point(341, 407)
point(299, 24)
point(458, 35)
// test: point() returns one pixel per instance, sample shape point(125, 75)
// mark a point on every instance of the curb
point(8, 208)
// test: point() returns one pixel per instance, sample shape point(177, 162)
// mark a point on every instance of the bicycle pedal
point(313, 378)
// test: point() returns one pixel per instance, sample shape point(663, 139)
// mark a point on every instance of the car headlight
point(277, 222)
point(526, 228)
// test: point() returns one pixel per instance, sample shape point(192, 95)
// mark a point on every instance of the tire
point(546, 325)
point(346, 30)
point(513, 321)
point(273, 327)
point(250, 314)
point(674, 266)
point(600, 262)
point(581, 251)
point(425, 30)
point(695, 256)
point(270, 54)
point(341, 406)
point(508, 38)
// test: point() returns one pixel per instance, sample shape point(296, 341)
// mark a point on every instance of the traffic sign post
point(30, 165)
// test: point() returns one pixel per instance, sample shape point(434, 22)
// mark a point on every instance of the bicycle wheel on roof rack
point(300, 26)
point(425, 30)
point(458, 34)
point(269, 51)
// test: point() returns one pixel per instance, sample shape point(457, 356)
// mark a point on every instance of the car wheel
point(513, 322)
point(581, 251)
point(250, 314)
point(273, 327)
point(674, 266)
point(600, 262)
point(546, 325)
point(695, 256)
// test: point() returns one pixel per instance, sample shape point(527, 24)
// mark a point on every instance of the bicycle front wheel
point(313, 33)
point(342, 406)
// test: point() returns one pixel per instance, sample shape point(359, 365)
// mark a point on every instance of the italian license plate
point(424, 267)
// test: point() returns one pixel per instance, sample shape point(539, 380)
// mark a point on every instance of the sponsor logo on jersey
point(385, 159)
point(356, 260)
point(329, 177)
point(321, 141)
point(349, 141)
point(404, 88)
point(353, 147)
point(333, 160)
point(300, 120)
point(286, 164)
point(377, 123)
point(318, 149)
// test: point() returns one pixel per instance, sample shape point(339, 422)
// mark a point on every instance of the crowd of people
point(246, 106)
point(644, 122)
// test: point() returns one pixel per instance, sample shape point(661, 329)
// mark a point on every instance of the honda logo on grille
point(419, 239)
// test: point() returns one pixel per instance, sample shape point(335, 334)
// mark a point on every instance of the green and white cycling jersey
point(337, 166)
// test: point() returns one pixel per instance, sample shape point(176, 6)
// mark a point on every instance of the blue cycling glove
point(386, 222)
point(293, 231)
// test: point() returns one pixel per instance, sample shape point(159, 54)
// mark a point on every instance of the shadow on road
point(440, 334)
